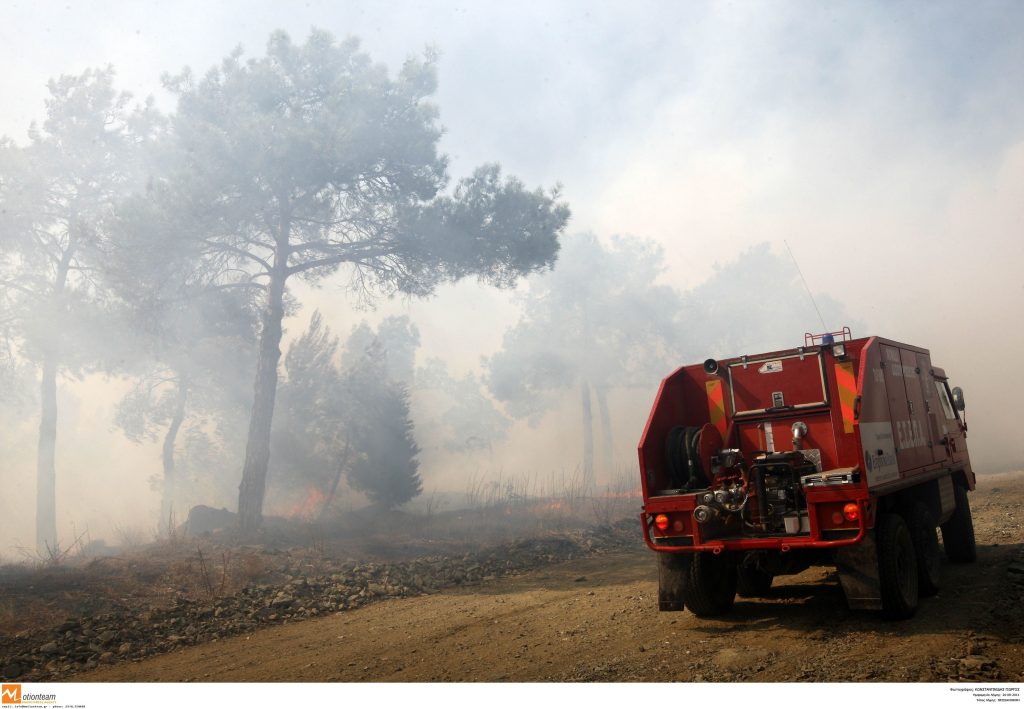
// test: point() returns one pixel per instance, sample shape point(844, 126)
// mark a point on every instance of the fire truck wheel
point(926, 547)
point(958, 532)
point(752, 582)
point(897, 567)
point(710, 586)
point(672, 572)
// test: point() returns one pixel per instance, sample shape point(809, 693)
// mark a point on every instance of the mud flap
point(672, 572)
point(858, 573)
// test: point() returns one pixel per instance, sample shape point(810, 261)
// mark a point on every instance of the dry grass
point(500, 507)
point(213, 572)
point(64, 582)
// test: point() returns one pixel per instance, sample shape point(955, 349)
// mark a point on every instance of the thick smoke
point(905, 223)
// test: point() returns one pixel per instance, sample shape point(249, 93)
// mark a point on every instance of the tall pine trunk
point(46, 464)
point(253, 487)
point(170, 490)
point(607, 450)
point(588, 436)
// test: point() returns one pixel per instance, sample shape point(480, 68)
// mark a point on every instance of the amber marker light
point(851, 511)
point(661, 522)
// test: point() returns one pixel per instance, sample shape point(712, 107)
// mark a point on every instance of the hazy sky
point(884, 141)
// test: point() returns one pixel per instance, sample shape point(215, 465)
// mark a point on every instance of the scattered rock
point(282, 600)
point(976, 663)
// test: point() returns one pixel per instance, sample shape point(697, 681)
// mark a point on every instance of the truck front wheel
point(958, 532)
point(897, 567)
point(710, 585)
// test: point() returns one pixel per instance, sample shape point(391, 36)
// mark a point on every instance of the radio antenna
point(804, 281)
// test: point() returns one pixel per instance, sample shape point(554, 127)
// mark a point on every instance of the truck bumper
point(782, 544)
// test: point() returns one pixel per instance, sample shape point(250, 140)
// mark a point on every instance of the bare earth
point(597, 620)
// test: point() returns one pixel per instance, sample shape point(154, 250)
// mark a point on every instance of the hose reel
point(688, 451)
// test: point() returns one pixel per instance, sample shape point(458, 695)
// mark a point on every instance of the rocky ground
point(567, 607)
point(185, 599)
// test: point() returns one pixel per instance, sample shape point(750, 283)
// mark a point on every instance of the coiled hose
point(682, 451)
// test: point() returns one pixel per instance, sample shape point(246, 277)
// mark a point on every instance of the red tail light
point(661, 522)
point(851, 511)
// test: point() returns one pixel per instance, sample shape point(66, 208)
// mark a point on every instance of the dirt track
point(597, 620)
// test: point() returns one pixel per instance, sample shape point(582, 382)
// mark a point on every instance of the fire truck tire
point(752, 582)
point(926, 547)
point(710, 587)
point(958, 532)
point(897, 567)
point(672, 572)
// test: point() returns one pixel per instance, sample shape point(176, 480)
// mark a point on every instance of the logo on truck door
point(879, 452)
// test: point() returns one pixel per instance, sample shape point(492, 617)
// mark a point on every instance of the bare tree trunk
point(46, 466)
point(170, 490)
point(607, 451)
point(253, 487)
point(342, 463)
point(588, 436)
point(46, 460)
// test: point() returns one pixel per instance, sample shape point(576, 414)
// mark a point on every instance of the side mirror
point(958, 398)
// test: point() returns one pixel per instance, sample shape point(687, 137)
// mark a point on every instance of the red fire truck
point(845, 452)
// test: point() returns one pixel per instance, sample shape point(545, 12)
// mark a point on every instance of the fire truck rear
point(845, 452)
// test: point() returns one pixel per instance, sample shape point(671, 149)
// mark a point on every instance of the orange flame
point(309, 507)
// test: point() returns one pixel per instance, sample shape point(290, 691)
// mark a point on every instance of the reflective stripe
point(716, 405)
point(847, 384)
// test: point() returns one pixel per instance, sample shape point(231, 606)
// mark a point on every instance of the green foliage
point(599, 315)
point(204, 343)
point(315, 157)
point(309, 441)
point(58, 196)
point(398, 339)
point(462, 416)
point(386, 469)
point(352, 422)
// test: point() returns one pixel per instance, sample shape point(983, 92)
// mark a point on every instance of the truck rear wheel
point(958, 532)
point(752, 582)
point(672, 572)
point(710, 586)
point(897, 567)
point(926, 548)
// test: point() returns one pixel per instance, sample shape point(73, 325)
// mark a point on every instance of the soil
point(596, 619)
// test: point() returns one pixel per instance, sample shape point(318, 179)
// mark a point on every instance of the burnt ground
point(557, 607)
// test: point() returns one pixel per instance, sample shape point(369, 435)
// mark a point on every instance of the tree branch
point(228, 286)
point(241, 252)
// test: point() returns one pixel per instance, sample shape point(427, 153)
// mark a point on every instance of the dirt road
point(597, 620)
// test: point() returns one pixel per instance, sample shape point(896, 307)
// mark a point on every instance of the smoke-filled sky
point(884, 141)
